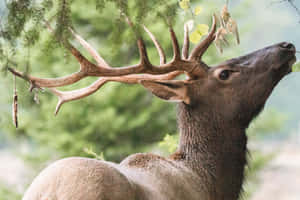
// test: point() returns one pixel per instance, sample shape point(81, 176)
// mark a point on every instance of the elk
point(215, 106)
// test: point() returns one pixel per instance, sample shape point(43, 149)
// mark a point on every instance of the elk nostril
point(288, 46)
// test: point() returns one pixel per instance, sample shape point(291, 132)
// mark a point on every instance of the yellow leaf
point(198, 10)
point(195, 37)
point(202, 29)
point(184, 4)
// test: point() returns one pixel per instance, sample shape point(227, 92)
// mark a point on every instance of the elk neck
point(215, 148)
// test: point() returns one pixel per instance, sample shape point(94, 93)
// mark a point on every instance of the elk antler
point(192, 65)
point(100, 61)
point(200, 49)
point(186, 42)
point(67, 96)
point(160, 50)
point(129, 79)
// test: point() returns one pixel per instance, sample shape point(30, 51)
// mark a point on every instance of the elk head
point(237, 89)
point(239, 85)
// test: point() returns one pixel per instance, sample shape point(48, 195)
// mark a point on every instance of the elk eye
point(224, 75)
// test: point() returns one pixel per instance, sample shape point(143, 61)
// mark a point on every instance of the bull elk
point(215, 106)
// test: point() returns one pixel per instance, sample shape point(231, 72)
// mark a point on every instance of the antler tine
point(160, 50)
point(186, 43)
point(100, 61)
point(67, 96)
point(49, 82)
point(176, 49)
point(143, 53)
point(141, 45)
point(87, 68)
point(200, 49)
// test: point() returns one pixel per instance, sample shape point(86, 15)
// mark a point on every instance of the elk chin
point(284, 69)
point(287, 59)
point(291, 63)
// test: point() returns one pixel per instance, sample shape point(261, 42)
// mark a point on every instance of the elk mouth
point(288, 55)
point(290, 51)
point(284, 56)
point(288, 65)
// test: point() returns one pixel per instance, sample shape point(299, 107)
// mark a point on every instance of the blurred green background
point(120, 119)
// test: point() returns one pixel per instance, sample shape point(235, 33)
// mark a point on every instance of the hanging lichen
point(15, 105)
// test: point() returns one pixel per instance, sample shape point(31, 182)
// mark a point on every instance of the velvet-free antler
point(192, 65)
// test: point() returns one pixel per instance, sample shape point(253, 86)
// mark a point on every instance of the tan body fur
point(139, 177)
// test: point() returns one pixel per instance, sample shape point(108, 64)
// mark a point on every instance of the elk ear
point(172, 90)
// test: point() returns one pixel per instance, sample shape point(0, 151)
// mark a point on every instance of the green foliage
point(169, 143)
point(19, 13)
point(24, 20)
point(90, 152)
point(7, 193)
point(63, 21)
point(296, 67)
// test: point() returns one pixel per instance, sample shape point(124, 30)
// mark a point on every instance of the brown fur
point(142, 160)
point(177, 156)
